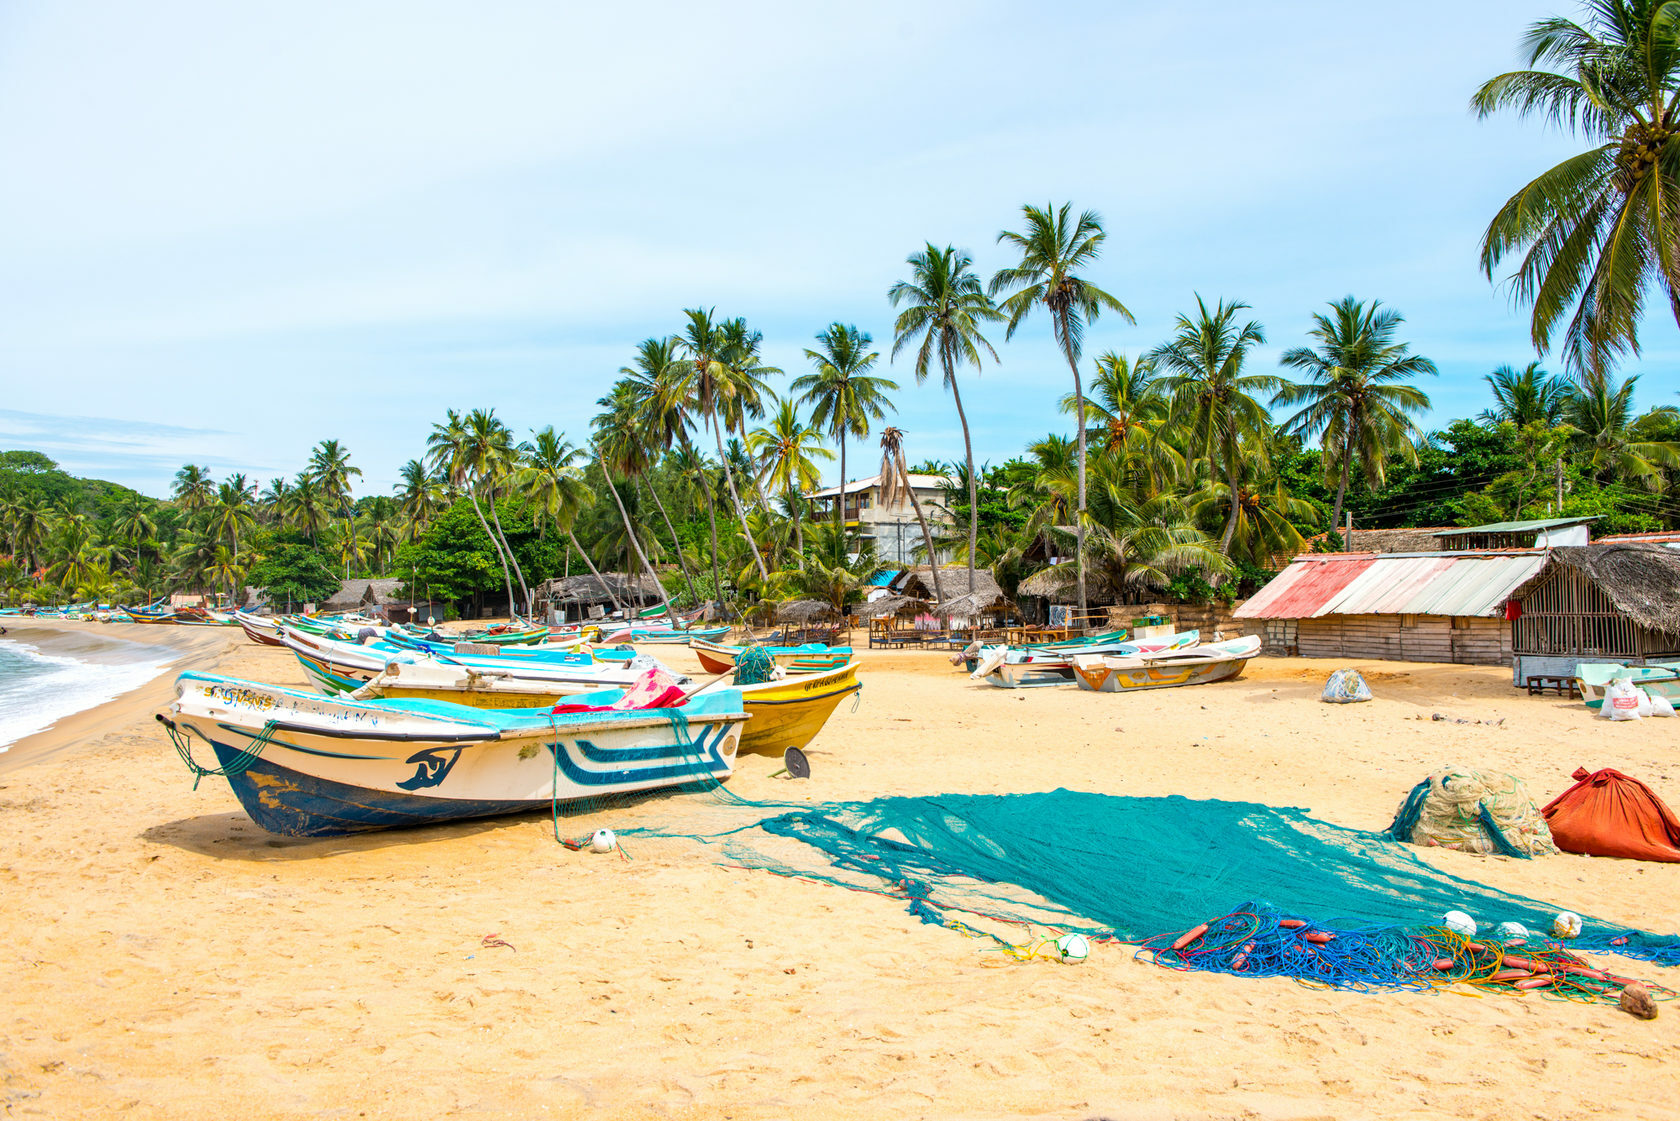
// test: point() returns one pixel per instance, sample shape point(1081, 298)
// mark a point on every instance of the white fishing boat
point(1013, 667)
point(340, 667)
point(304, 765)
point(1165, 669)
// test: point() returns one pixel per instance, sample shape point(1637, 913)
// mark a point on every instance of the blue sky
point(230, 231)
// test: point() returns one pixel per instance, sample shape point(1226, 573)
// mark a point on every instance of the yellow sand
point(166, 958)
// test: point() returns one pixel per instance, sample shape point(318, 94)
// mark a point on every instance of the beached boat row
point(1115, 662)
point(409, 726)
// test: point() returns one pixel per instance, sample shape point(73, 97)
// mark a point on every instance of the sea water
point(46, 679)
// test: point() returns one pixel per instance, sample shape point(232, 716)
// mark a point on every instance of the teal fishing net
point(1130, 868)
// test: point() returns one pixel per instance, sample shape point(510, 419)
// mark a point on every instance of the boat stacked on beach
point(1152, 657)
point(409, 726)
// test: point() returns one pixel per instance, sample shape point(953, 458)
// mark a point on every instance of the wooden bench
point(1540, 684)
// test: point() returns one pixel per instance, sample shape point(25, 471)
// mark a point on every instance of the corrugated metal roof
point(1306, 583)
point(1517, 527)
point(1426, 584)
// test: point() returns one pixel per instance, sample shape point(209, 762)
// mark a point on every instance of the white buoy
point(1460, 923)
point(1512, 931)
point(1073, 948)
point(603, 841)
point(1566, 925)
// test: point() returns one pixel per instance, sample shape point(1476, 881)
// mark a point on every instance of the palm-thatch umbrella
point(889, 605)
point(805, 611)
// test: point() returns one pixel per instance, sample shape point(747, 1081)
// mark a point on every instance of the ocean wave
point(38, 689)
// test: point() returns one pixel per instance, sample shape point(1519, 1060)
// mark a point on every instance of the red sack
point(1606, 813)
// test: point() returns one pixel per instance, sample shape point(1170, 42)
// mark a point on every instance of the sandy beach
point(165, 958)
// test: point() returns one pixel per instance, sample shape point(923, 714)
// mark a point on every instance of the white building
point(893, 528)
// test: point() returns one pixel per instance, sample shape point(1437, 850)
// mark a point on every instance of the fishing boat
point(783, 713)
point(662, 636)
point(263, 632)
point(791, 711)
point(1656, 678)
point(717, 657)
point(1165, 669)
point(1013, 667)
point(304, 765)
point(329, 664)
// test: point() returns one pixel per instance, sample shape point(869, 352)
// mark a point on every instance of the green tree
point(787, 451)
point(945, 309)
point(1525, 398)
point(1358, 396)
point(1602, 417)
point(554, 485)
point(656, 364)
point(1214, 401)
point(1597, 231)
point(419, 498)
point(1054, 249)
point(844, 396)
point(194, 488)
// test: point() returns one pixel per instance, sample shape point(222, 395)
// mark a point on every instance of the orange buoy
point(1318, 936)
point(1534, 982)
point(1291, 924)
point(1444, 963)
point(1190, 936)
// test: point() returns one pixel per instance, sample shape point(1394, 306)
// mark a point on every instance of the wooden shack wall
point(1418, 638)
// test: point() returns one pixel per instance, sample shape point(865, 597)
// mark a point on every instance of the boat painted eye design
point(431, 767)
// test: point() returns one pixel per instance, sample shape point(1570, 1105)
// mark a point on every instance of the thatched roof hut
point(363, 593)
point(973, 606)
point(890, 605)
point(953, 580)
point(805, 611)
point(587, 590)
point(1053, 583)
point(1596, 603)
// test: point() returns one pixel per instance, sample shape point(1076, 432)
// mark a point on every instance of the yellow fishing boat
point(790, 712)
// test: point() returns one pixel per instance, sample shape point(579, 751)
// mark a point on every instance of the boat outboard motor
point(365, 636)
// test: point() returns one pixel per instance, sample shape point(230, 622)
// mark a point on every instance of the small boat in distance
point(1166, 669)
point(717, 657)
point(1012, 667)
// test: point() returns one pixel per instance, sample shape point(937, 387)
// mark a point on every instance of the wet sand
point(167, 959)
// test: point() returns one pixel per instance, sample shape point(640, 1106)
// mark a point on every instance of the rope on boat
point(238, 765)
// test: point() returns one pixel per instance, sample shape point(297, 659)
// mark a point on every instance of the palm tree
point(194, 488)
point(230, 512)
point(305, 507)
point(1054, 249)
point(724, 387)
point(895, 487)
point(656, 424)
point(134, 524)
point(456, 450)
point(419, 498)
point(271, 503)
point(1358, 395)
point(618, 446)
point(630, 530)
point(1521, 399)
point(697, 473)
point(945, 308)
point(329, 466)
point(1213, 400)
point(843, 396)
point(554, 486)
point(787, 453)
point(31, 523)
point(1598, 230)
point(1601, 416)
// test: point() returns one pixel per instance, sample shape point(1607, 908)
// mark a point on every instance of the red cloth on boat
point(653, 689)
point(1606, 813)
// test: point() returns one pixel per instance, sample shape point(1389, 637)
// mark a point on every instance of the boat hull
point(790, 712)
point(334, 767)
point(1103, 679)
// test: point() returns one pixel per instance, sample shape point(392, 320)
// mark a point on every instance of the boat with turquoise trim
point(329, 663)
point(304, 765)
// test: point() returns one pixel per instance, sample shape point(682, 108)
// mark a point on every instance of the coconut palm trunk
point(973, 486)
point(507, 578)
point(635, 542)
point(509, 547)
point(840, 503)
point(676, 544)
point(1079, 514)
point(593, 571)
point(735, 496)
point(1341, 494)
